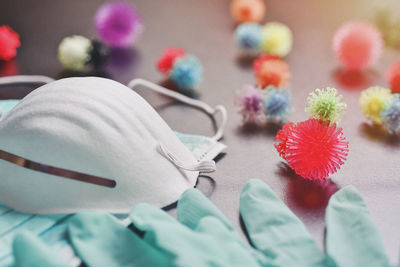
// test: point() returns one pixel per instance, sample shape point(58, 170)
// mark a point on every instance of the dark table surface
point(205, 29)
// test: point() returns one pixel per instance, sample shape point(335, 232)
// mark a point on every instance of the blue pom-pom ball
point(277, 103)
point(248, 36)
point(391, 115)
point(186, 73)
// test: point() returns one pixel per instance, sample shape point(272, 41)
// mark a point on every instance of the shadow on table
point(269, 129)
point(354, 80)
point(304, 194)
point(377, 133)
point(245, 61)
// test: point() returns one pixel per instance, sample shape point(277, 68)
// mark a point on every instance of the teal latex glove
point(30, 251)
point(100, 239)
point(202, 235)
point(352, 237)
point(275, 230)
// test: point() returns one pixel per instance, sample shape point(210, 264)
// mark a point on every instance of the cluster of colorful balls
point(381, 107)
point(9, 42)
point(315, 148)
point(273, 38)
point(271, 70)
point(357, 45)
point(257, 105)
point(118, 24)
point(183, 69)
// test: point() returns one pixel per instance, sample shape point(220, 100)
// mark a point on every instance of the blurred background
point(205, 29)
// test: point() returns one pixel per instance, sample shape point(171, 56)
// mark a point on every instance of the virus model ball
point(270, 70)
point(357, 45)
point(314, 149)
point(99, 54)
point(276, 39)
point(166, 60)
point(74, 52)
point(248, 37)
point(393, 77)
point(373, 100)
point(250, 103)
point(186, 73)
point(9, 42)
point(118, 24)
point(277, 103)
point(390, 115)
point(247, 10)
point(325, 105)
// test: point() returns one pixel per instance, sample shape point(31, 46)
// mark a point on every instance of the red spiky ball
point(9, 42)
point(166, 60)
point(313, 149)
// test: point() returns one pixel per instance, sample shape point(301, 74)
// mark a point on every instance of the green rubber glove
point(30, 251)
point(352, 237)
point(100, 239)
point(275, 230)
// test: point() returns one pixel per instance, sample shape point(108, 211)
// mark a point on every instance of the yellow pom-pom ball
point(74, 52)
point(276, 39)
point(247, 10)
point(373, 100)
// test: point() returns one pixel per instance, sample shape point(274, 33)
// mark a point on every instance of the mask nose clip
point(205, 166)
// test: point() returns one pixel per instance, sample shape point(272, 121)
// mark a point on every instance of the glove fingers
point(101, 240)
point(210, 243)
point(352, 237)
point(30, 251)
point(275, 230)
point(193, 206)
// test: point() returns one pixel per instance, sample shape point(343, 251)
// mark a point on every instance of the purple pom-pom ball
point(118, 24)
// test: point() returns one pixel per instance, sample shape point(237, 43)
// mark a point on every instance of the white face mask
point(92, 143)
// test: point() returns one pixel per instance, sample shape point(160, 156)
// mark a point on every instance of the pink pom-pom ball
point(357, 45)
point(118, 23)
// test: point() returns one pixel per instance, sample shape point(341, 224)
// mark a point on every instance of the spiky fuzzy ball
point(276, 39)
point(9, 42)
point(393, 76)
point(373, 100)
point(357, 45)
point(74, 52)
point(186, 73)
point(271, 71)
point(250, 104)
point(313, 149)
point(248, 36)
point(166, 60)
point(324, 104)
point(118, 24)
point(247, 10)
point(391, 115)
point(277, 103)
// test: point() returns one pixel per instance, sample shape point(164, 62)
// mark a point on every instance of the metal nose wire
point(63, 173)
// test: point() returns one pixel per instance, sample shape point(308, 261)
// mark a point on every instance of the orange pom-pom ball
point(248, 10)
point(357, 45)
point(271, 70)
point(393, 77)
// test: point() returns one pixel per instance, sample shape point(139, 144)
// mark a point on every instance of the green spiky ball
point(325, 104)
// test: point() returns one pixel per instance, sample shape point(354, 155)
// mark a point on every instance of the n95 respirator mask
point(93, 143)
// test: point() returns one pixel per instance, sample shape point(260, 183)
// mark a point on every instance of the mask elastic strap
point(204, 166)
point(187, 100)
point(25, 80)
